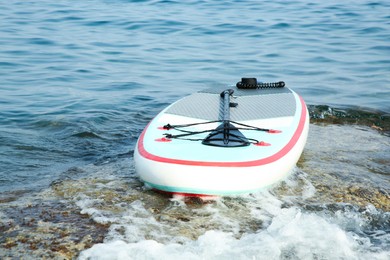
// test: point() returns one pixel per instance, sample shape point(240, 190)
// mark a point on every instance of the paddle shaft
point(226, 113)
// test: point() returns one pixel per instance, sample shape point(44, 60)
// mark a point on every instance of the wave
point(376, 119)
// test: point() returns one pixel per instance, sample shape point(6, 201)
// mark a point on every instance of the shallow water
point(334, 205)
point(80, 80)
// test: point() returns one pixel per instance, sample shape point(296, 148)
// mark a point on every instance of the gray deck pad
point(252, 104)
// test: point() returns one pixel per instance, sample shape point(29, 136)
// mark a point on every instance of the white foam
point(88, 205)
point(256, 226)
point(293, 234)
point(289, 233)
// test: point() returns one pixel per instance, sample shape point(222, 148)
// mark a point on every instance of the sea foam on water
point(284, 232)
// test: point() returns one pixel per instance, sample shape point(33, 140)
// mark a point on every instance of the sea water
point(79, 80)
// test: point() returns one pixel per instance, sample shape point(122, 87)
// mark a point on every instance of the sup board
point(224, 140)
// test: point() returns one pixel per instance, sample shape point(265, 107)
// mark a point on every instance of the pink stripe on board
point(287, 148)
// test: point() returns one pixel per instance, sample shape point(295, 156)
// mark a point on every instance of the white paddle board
point(224, 141)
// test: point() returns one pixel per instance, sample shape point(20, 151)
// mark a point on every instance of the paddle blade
point(226, 135)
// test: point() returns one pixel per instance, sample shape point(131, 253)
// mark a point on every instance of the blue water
point(79, 80)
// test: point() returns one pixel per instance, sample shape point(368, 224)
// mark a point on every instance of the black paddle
point(226, 134)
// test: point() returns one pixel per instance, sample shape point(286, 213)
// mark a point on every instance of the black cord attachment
point(279, 84)
point(251, 83)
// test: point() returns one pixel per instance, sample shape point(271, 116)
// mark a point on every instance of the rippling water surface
point(79, 80)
